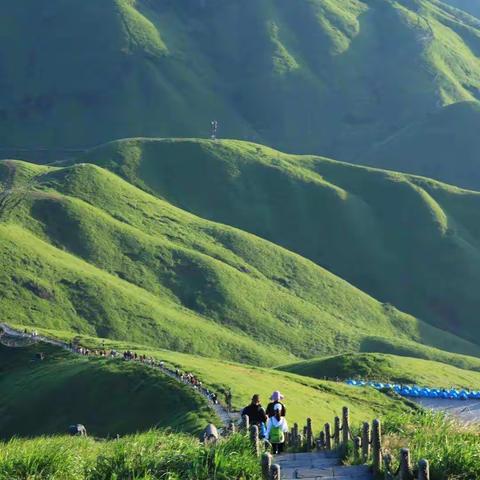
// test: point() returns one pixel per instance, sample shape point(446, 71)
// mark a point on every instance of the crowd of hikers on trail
point(129, 355)
point(271, 422)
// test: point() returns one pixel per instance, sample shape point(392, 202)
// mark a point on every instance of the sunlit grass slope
point(387, 368)
point(324, 76)
point(412, 349)
point(108, 397)
point(408, 241)
point(85, 251)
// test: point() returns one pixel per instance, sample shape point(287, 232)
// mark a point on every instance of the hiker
point(276, 428)
point(255, 411)
point(275, 400)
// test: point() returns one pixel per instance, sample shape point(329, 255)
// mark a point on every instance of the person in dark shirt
point(276, 399)
point(255, 411)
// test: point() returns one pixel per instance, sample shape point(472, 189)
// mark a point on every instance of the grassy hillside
point(306, 76)
point(412, 349)
point(444, 146)
point(408, 241)
point(109, 397)
point(387, 368)
point(87, 252)
point(304, 397)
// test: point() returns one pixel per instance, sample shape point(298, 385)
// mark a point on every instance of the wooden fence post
point(246, 422)
point(356, 448)
point(345, 425)
point(309, 434)
point(365, 442)
point(300, 440)
point(328, 437)
point(405, 465)
point(321, 441)
point(266, 465)
point(275, 473)
point(295, 441)
point(387, 462)
point(376, 445)
point(231, 427)
point(254, 440)
point(423, 470)
point(336, 432)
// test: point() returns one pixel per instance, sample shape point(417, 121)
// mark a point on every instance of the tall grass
point(148, 456)
point(452, 448)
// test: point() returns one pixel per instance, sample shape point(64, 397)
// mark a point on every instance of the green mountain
point(85, 251)
point(445, 145)
point(315, 76)
point(110, 397)
point(407, 241)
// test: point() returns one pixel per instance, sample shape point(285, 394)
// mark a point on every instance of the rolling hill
point(387, 368)
point(153, 399)
point(444, 146)
point(109, 397)
point(87, 252)
point(408, 241)
point(310, 76)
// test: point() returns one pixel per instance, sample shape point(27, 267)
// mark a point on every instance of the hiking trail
point(18, 339)
point(319, 465)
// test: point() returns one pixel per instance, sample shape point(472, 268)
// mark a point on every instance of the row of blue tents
point(419, 392)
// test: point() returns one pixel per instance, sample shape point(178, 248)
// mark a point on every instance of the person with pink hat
point(276, 398)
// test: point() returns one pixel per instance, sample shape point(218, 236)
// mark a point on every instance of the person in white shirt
point(276, 428)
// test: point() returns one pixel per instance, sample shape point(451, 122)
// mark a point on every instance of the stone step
point(306, 467)
point(306, 463)
point(354, 471)
point(368, 477)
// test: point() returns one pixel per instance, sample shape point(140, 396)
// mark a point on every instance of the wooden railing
point(367, 447)
point(405, 470)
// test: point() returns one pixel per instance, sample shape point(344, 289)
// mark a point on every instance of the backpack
point(276, 434)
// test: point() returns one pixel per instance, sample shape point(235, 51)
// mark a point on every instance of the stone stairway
point(319, 465)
